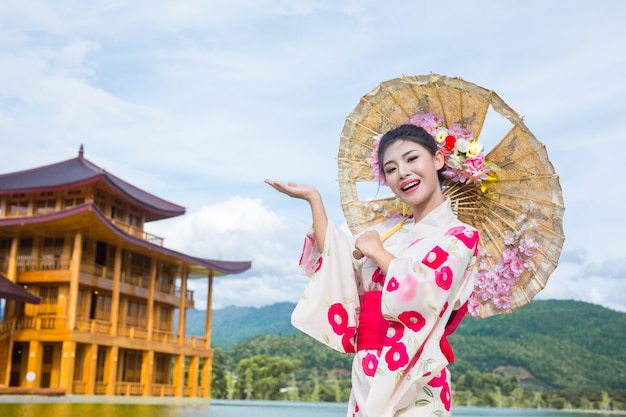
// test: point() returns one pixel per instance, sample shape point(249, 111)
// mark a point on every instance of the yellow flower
point(474, 149)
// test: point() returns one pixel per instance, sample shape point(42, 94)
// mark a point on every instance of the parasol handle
point(357, 254)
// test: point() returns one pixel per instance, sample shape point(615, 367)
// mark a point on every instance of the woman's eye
point(412, 158)
point(390, 170)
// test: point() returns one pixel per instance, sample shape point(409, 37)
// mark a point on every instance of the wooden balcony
point(138, 232)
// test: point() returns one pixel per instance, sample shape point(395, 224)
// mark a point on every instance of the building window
point(18, 205)
point(136, 315)
point(45, 206)
point(117, 211)
point(131, 365)
point(100, 306)
point(73, 202)
point(51, 252)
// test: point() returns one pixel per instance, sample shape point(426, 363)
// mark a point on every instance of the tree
point(264, 376)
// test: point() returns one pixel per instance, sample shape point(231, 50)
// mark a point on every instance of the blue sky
point(199, 101)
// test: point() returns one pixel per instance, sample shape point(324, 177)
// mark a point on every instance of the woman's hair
point(411, 133)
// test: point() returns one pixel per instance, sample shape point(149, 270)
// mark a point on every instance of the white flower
point(474, 149)
point(462, 145)
point(440, 135)
point(454, 161)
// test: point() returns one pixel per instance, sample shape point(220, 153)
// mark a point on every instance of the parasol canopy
point(515, 202)
point(11, 291)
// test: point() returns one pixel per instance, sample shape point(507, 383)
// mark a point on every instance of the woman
point(396, 304)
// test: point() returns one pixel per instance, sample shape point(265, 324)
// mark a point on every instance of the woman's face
point(411, 172)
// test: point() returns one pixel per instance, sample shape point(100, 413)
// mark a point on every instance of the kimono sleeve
point(328, 308)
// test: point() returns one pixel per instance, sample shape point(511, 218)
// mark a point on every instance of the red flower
point(435, 258)
point(369, 364)
point(450, 142)
point(397, 357)
point(469, 238)
point(338, 318)
point(394, 333)
point(378, 277)
point(443, 277)
point(393, 285)
point(347, 340)
point(413, 320)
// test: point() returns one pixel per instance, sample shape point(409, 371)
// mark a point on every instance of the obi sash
point(372, 328)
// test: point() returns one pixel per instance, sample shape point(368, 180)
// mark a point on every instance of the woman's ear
point(440, 159)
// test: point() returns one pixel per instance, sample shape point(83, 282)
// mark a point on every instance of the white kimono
point(422, 299)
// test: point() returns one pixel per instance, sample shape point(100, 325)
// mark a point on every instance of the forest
point(549, 354)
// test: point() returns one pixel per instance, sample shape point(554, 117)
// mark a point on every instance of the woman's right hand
point(313, 197)
point(302, 191)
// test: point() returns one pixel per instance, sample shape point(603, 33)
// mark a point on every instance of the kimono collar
point(440, 217)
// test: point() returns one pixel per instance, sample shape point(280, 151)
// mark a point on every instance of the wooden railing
point(163, 390)
point(138, 232)
point(79, 387)
point(128, 388)
point(40, 323)
point(164, 337)
point(7, 326)
point(101, 388)
point(132, 332)
point(93, 326)
point(28, 263)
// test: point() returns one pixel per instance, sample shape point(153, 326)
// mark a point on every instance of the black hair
point(411, 133)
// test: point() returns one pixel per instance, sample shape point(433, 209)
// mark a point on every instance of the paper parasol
point(524, 177)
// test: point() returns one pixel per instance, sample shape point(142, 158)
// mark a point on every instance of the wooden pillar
point(12, 266)
point(32, 378)
point(115, 296)
point(209, 311)
point(206, 377)
point(66, 375)
point(110, 369)
point(182, 316)
point(179, 375)
point(147, 370)
point(8, 361)
point(192, 376)
point(72, 300)
point(91, 368)
point(151, 290)
point(9, 307)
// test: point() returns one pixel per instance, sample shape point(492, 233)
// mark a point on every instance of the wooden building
point(111, 320)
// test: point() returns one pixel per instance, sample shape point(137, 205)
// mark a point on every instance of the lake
point(225, 408)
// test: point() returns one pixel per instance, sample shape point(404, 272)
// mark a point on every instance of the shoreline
point(187, 401)
point(101, 399)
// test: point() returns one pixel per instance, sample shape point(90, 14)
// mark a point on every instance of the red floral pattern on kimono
point(422, 299)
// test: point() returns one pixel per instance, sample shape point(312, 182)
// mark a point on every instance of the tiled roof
point(79, 171)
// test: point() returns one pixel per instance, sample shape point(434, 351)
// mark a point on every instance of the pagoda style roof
point(79, 171)
point(87, 217)
point(11, 291)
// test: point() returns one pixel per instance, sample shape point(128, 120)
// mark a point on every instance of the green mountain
point(552, 344)
point(235, 324)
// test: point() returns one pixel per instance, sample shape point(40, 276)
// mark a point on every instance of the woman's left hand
point(369, 243)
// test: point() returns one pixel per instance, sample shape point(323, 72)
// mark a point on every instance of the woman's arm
point(313, 197)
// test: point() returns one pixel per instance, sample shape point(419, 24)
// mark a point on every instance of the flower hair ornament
point(510, 194)
point(464, 155)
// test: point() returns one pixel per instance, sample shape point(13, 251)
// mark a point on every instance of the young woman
point(391, 302)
